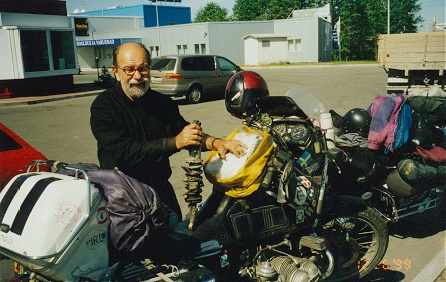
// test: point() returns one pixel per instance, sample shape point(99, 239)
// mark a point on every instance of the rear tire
point(358, 242)
point(195, 94)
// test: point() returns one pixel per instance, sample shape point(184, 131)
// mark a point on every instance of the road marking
point(433, 269)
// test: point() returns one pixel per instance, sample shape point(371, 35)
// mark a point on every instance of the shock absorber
point(193, 181)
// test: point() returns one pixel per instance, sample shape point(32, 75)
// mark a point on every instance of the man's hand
point(235, 147)
point(191, 135)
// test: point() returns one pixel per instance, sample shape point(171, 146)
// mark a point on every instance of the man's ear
point(115, 71)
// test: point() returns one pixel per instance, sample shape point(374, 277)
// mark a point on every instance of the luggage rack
point(79, 173)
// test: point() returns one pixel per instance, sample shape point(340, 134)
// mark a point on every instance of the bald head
point(118, 48)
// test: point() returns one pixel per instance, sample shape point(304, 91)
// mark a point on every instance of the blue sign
point(98, 42)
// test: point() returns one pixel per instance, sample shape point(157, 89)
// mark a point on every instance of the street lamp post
point(158, 27)
point(388, 16)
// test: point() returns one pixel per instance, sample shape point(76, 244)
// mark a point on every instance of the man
point(137, 129)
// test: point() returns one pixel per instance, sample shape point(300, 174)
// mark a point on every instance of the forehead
point(131, 55)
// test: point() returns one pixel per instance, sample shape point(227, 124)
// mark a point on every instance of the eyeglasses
point(130, 71)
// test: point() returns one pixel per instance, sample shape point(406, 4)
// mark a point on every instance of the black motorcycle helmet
point(242, 92)
point(356, 121)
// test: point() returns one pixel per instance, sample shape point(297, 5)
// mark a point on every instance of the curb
point(433, 269)
point(43, 99)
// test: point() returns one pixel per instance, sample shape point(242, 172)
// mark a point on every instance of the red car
point(15, 155)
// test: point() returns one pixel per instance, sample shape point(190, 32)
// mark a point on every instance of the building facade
point(38, 50)
point(309, 37)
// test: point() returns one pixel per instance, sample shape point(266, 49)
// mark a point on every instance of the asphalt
point(434, 271)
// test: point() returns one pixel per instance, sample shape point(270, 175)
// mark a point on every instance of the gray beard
point(136, 92)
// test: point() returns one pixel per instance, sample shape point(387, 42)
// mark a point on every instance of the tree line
point(361, 20)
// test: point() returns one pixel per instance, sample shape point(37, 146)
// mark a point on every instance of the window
point(295, 45)
point(7, 143)
point(181, 49)
point(190, 64)
point(154, 51)
point(203, 48)
point(200, 48)
point(44, 50)
point(62, 47)
point(225, 65)
point(101, 53)
point(35, 50)
point(266, 43)
point(163, 64)
point(206, 63)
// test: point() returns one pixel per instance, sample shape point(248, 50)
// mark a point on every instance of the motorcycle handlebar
point(195, 151)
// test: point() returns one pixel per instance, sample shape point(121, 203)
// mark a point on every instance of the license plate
point(397, 80)
point(156, 79)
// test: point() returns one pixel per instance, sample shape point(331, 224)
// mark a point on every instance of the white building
point(34, 49)
point(42, 47)
point(308, 38)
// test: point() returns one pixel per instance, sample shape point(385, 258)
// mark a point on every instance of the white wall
point(101, 24)
point(221, 38)
point(12, 67)
point(227, 37)
point(275, 53)
point(257, 53)
point(305, 29)
point(251, 52)
point(35, 21)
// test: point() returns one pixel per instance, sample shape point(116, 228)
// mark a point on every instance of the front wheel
point(195, 94)
point(358, 242)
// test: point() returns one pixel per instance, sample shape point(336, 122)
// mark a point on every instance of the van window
point(190, 64)
point(206, 63)
point(225, 65)
point(163, 64)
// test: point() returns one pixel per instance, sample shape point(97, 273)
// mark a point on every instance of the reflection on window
point(34, 50)
point(63, 50)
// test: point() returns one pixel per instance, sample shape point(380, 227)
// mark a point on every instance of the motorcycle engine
point(287, 269)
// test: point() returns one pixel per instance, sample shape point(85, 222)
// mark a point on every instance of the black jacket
point(137, 137)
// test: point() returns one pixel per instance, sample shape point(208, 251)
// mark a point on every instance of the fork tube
point(320, 201)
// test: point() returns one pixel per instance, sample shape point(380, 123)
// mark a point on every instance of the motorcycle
point(376, 178)
point(280, 219)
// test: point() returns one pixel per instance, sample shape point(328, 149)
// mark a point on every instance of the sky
point(429, 8)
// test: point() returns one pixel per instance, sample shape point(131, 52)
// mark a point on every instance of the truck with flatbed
point(413, 59)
